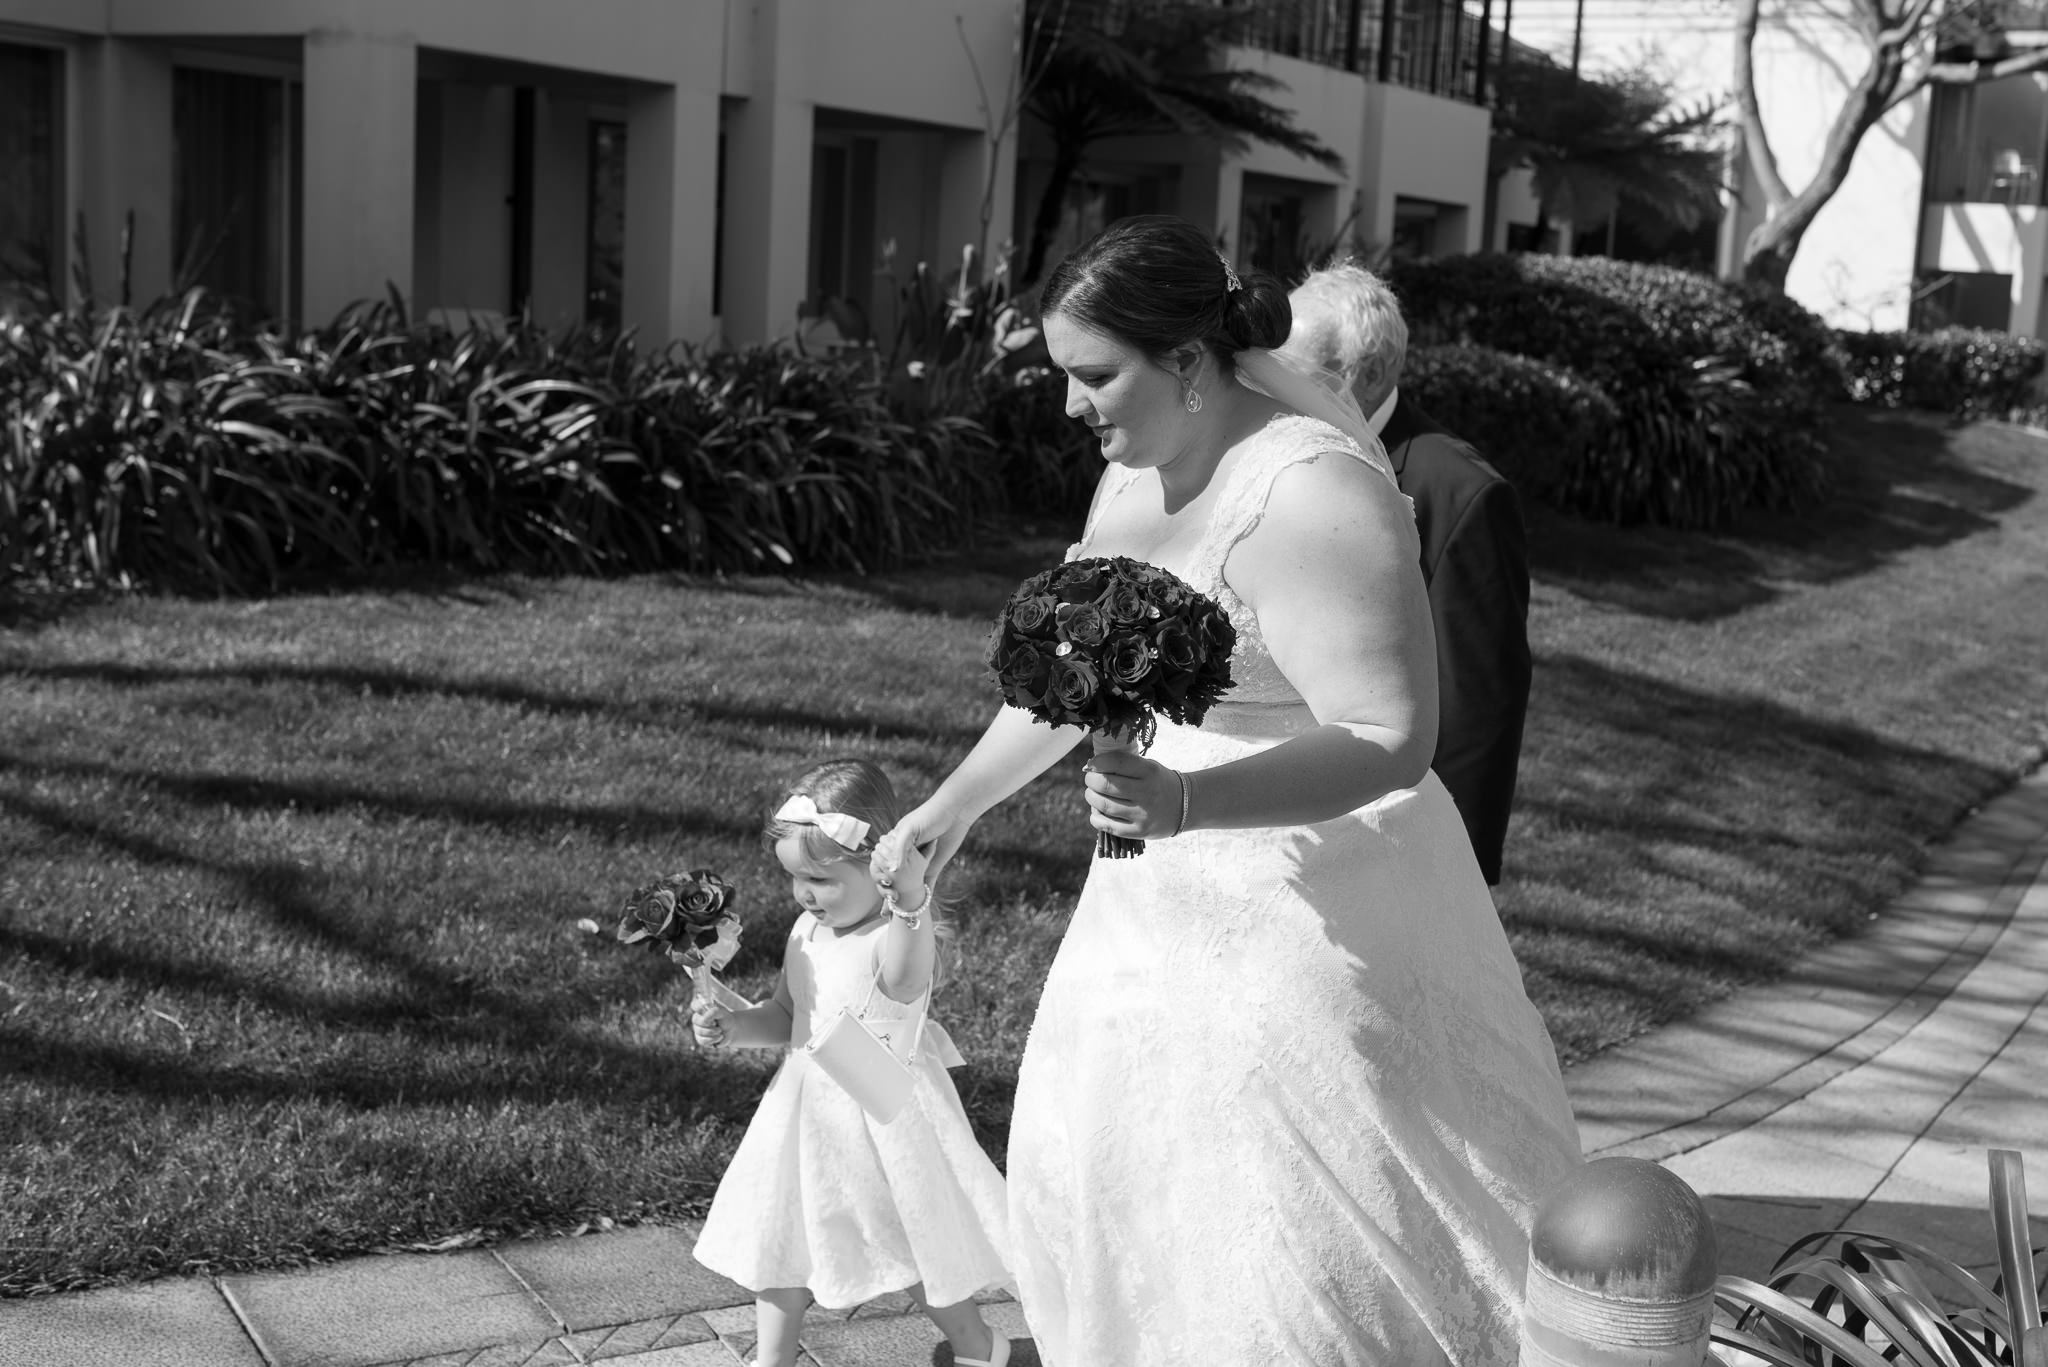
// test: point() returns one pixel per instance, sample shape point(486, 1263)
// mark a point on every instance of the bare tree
point(1911, 45)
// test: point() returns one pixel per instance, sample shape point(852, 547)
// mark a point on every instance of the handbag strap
point(924, 1002)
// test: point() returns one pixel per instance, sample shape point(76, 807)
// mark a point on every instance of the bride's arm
point(1013, 751)
point(1332, 572)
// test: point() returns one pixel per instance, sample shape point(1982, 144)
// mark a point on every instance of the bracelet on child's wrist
point(911, 919)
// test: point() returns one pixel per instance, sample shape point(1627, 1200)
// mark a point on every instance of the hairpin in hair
point(848, 831)
point(1231, 284)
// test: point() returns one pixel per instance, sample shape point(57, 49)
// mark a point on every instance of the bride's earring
point(1194, 398)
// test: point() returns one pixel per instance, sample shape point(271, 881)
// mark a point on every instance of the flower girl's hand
point(933, 832)
point(899, 866)
point(708, 1022)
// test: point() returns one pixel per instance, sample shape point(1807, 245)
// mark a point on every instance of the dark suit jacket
point(1476, 561)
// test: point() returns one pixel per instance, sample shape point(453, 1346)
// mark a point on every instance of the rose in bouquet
point(687, 916)
point(1112, 644)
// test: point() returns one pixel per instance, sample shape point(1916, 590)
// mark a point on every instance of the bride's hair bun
point(1258, 313)
point(1158, 283)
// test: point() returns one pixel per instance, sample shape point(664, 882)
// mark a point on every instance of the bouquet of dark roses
point(1112, 644)
point(689, 917)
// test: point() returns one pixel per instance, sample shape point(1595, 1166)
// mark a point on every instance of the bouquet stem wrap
point(1109, 846)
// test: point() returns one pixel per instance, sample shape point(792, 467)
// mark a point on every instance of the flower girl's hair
point(849, 787)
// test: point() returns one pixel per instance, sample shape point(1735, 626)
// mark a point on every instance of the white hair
point(1348, 323)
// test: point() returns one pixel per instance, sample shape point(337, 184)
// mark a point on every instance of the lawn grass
point(289, 965)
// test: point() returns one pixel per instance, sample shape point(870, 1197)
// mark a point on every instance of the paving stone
point(388, 1309)
point(641, 1336)
point(621, 1276)
point(891, 1303)
point(712, 1354)
point(553, 1353)
point(183, 1323)
point(736, 1319)
point(1762, 1162)
point(904, 1341)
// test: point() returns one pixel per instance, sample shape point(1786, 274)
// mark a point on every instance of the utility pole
point(1578, 35)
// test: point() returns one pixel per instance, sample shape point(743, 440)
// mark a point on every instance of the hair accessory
point(1231, 284)
point(848, 831)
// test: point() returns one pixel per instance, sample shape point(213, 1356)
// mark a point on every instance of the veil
point(1286, 381)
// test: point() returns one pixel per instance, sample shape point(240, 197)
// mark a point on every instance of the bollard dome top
point(1626, 1227)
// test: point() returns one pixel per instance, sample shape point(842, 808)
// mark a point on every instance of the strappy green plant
point(1848, 1298)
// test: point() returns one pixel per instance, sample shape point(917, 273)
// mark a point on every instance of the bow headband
point(848, 831)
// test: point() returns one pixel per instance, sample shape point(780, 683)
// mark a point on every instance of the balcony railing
point(1429, 45)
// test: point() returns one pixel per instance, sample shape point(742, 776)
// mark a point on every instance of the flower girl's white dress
point(820, 1195)
point(1284, 1100)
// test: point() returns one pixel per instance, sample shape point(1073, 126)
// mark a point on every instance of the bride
point(1285, 1099)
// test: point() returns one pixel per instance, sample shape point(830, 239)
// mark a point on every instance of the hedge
point(1721, 397)
point(1964, 372)
point(1532, 422)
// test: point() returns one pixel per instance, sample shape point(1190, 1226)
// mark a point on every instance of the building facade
point(1941, 218)
point(694, 169)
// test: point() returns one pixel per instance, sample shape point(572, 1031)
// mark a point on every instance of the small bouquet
point(689, 917)
point(1111, 643)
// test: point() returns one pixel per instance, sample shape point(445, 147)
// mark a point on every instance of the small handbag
point(862, 1059)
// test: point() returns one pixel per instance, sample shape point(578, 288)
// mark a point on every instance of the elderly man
point(1474, 556)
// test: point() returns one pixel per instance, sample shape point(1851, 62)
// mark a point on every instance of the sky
point(1622, 33)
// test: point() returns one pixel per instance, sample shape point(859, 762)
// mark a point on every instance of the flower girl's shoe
point(997, 1356)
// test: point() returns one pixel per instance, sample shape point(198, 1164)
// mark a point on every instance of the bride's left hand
point(1131, 796)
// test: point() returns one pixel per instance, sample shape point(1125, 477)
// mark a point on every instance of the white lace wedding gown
point(1285, 1100)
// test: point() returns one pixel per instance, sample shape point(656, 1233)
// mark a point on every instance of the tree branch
point(1748, 115)
point(1913, 18)
point(1966, 73)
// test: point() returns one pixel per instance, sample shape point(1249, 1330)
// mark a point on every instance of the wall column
point(1229, 208)
point(2028, 231)
point(767, 216)
point(671, 214)
point(361, 98)
point(123, 108)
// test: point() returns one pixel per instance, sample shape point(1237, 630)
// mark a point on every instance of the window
point(1270, 231)
point(1424, 228)
point(1985, 142)
point(234, 194)
point(604, 259)
point(842, 263)
point(31, 210)
point(1968, 299)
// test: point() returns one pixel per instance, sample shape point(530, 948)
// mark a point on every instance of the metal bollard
point(1621, 1271)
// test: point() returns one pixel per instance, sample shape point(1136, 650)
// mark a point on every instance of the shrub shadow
point(663, 713)
point(1847, 824)
point(1901, 486)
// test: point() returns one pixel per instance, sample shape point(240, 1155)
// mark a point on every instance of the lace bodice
point(1284, 442)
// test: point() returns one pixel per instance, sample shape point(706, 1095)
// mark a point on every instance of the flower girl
point(821, 1200)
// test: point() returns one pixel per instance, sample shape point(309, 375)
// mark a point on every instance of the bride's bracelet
point(1185, 785)
point(910, 919)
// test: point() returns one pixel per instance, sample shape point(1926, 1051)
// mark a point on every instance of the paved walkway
point(1860, 1091)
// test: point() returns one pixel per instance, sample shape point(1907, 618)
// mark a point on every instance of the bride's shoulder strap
point(1284, 443)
